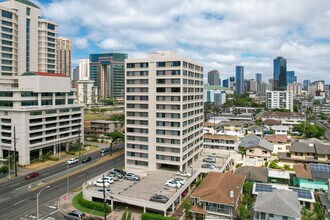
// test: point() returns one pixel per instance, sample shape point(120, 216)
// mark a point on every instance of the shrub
point(287, 167)
point(4, 169)
point(274, 165)
point(151, 216)
point(238, 165)
point(71, 152)
point(92, 205)
point(53, 158)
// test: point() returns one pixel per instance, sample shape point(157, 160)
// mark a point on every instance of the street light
point(38, 200)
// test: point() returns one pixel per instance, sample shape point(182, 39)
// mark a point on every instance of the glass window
point(160, 64)
point(7, 23)
point(8, 49)
point(176, 63)
point(60, 102)
point(6, 55)
point(6, 36)
point(6, 42)
point(28, 10)
point(5, 29)
point(29, 103)
point(6, 94)
point(51, 26)
point(46, 102)
point(7, 14)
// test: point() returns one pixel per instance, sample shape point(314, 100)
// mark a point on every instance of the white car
point(178, 180)
point(214, 155)
point(114, 177)
point(72, 161)
point(100, 183)
point(183, 173)
point(173, 184)
point(107, 179)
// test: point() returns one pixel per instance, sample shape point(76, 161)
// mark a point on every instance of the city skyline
point(220, 35)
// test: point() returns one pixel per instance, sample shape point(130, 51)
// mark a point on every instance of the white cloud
point(216, 33)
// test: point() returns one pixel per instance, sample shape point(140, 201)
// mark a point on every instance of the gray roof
point(301, 147)
point(322, 149)
point(254, 127)
point(255, 141)
point(257, 174)
point(279, 202)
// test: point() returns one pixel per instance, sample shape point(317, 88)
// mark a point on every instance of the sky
point(219, 34)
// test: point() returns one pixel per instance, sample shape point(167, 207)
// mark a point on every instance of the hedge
point(151, 216)
point(92, 205)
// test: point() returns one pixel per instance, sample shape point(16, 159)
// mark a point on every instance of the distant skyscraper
point(213, 78)
point(279, 74)
point(84, 69)
point(239, 80)
point(251, 85)
point(64, 56)
point(107, 70)
point(290, 77)
point(264, 88)
point(232, 82)
point(225, 83)
point(75, 77)
point(259, 80)
point(306, 84)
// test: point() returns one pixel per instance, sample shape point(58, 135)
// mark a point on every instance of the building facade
point(86, 92)
point(163, 111)
point(28, 42)
point(84, 73)
point(239, 80)
point(213, 78)
point(64, 56)
point(279, 74)
point(291, 77)
point(108, 73)
point(295, 88)
point(41, 108)
point(280, 100)
point(218, 97)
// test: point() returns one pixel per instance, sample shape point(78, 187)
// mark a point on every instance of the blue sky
point(220, 34)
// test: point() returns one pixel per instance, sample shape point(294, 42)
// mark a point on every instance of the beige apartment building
point(163, 112)
point(64, 56)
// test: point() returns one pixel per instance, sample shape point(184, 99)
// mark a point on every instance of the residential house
point(255, 130)
point(280, 129)
point(300, 152)
point(221, 142)
point(210, 127)
point(267, 123)
point(312, 176)
point(255, 147)
point(218, 196)
point(255, 174)
point(234, 128)
point(286, 118)
point(278, 204)
point(278, 176)
point(325, 202)
point(281, 142)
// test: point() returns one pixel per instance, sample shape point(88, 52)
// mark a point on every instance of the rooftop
point(254, 127)
point(302, 171)
point(220, 137)
point(270, 122)
point(258, 174)
point(28, 3)
point(277, 138)
point(283, 114)
point(216, 187)
point(44, 74)
point(301, 147)
point(279, 174)
point(255, 141)
point(280, 127)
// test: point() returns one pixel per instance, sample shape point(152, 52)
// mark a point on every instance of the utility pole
point(104, 200)
point(15, 160)
point(9, 155)
point(79, 140)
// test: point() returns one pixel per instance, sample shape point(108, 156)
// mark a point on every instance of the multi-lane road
point(17, 202)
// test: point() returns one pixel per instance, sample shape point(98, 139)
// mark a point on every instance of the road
point(23, 206)
point(19, 182)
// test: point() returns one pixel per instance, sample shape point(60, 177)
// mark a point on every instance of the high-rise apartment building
point(225, 83)
point(28, 41)
point(280, 100)
point(64, 55)
point(306, 84)
point(108, 72)
point(84, 73)
point(163, 111)
point(75, 77)
point(291, 77)
point(259, 81)
point(240, 87)
point(264, 87)
point(280, 73)
point(295, 87)
point(251, 85)
point(213, 78)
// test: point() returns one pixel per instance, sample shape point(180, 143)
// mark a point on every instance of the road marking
point(52, 207)
point(32, 216)
point(15, 185)
point(19, 202)
point(48, 216)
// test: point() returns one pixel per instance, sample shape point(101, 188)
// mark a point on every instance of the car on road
point(32, 175)
point(132, 176)
point(106, 191)
point(214, 155)
point(209, 160)
point(107, 179)
point(122, 172)
point(173, 184)
point(159, 198)
point(72, 161)
point(179, 180)
point(209, 166)
point(104, 150)
point(119, 175)
point(183, 173)
point(86, 159)
point(75, 215)
point(99, 183)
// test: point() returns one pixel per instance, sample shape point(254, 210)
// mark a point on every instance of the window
point(46, 102)
point(7, 14)
point(28, 10)
point(5, 29)
point(51, 26)
point(285, 218)
point(60, 102)
point(7, 104)
point(176, 63)
point(161, 89)
point(7, 49)
point(6, 36)
point(6, 55)
point(5, 42)
point(6, 68)
point(262, 215)
point(6, 94)
point(29, 103)
point(160, 64)
point(36, 113)
point(28, 94)
point(51, 34)
point(7, 23)
point(271, 215)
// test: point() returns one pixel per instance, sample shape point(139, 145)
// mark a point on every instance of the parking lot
point(219, 161)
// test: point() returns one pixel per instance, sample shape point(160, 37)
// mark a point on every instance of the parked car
point(107, 179)
point(159, 198)
point(214, 155)
point(132, 176)
point(179, 180)
point(173, 184)
point(106, 191)
point(32, 175)
point(99, 183)
point(72, 161)
point(122, 172)
point(113, 176)
point(209, 166)
point(209, 160)
point(86, 159)
point(75, 215)
point(119, 175)
point(183, 173)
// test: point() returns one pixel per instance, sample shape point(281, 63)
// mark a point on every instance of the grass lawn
point(84, 209)
point(90, 116)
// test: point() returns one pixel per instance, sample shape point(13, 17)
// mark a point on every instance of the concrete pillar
point(165, 213)
point(144, 210)
point(180, 199)
point(189, 188)
point(39, 99)
point(173, 206)
point(111, 204)
point(54, 98)
point(40, 153)
point(54, 149)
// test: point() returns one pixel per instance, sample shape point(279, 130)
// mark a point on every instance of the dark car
point(86, 159)
point(132, 176)
point(104, 150)
point(122, 172)
point(75, 215)
point(159, 198)
point(209, 166)
point(116, 173)
point(209, 160)
point(32, 175)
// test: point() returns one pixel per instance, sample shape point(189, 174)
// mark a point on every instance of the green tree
point(307, 215)
point(243, 212)
point(309, 130)
point(10, 158)
point(247, 187)
point(126, 215)
point(323, 116)
point(116, 138)
point(186, 205)
point(318, 211)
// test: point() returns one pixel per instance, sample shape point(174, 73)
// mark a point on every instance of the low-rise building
point(255, 130)
point(255, 147)
point(221, 142)
point(218, 196)
point(255, 174)
point(234, 128)
point(278, 204)
point(286, 118)
point(270, 122)
point(280, 129)
point(324, 109)
point(280, 100)
point(281, 142)
point(103, 126)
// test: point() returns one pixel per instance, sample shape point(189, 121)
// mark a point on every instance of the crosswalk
point(45, 213)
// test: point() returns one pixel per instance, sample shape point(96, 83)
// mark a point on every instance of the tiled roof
point(283, 114)
point(322, 148)
point(198, 209)
point(277, 138)
point(270, 122)
point(220, 137)
point(302, 171)
point(258, 174)
point(278, 202)
point(301, 148)
point(216, 187)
